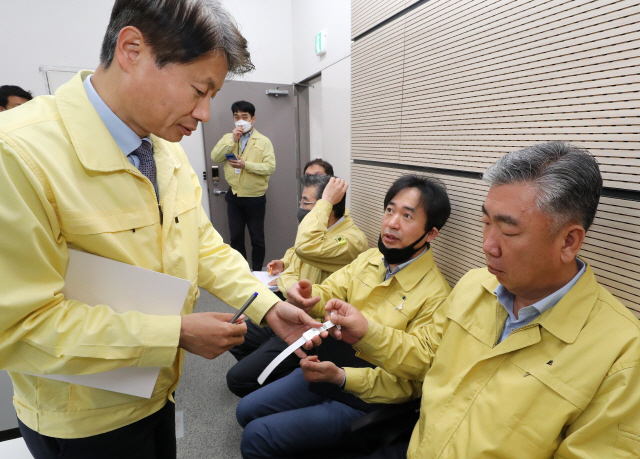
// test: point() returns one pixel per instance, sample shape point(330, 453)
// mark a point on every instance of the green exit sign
point(321, 44)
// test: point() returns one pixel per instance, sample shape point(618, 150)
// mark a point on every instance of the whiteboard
point(54, 77)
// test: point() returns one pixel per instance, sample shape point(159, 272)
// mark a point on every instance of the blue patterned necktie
point(147, 163)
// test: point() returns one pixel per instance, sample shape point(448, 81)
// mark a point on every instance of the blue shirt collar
point(526, 314)
point(397, 269)
point(126, 139)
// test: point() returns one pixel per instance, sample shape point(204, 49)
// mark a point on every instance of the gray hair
point(321, 182)
point(318, 181)
point(179, 31)
point(567, 179)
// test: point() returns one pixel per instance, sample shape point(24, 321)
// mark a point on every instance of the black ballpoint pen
point(244, 308)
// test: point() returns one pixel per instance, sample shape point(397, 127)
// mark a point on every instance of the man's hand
point(354, 325)
point(316, 371)
point(237, 132)
point(275, 267)
point(209, 334)
point(335, 190)
point(289, 323)
point(238, 164)
point(300, 295)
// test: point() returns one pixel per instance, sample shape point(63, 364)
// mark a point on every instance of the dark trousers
point(398, 451)
point(285, 418)
point(260, 347)
point(153, 437)
point(247, 212)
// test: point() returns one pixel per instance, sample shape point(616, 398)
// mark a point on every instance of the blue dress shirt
point(127, 140)
point(397, 269)
point(244, 138)
point(527, 314)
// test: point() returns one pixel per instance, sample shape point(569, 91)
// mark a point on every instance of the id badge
point(237, 171)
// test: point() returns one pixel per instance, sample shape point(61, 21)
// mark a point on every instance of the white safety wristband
point(306, 336)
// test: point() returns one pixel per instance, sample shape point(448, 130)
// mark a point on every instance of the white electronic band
point(306, 336)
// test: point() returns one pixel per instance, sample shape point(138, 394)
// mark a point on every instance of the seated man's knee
point(245, 412)
point(238, 381)
point(256, 441)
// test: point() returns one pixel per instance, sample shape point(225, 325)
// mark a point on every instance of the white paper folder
point(96, 280)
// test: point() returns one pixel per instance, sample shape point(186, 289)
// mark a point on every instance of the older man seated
point(327, 240)
point(529, 357)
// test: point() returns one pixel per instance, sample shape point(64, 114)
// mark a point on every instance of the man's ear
point(129, 47)
point(2, 108)
point(572, 239)
point(432, 234)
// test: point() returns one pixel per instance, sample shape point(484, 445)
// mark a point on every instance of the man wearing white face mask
point(249, 161)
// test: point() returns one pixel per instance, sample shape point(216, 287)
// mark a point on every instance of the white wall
point(311, 17)
point(316, 135)
point(68, 33)
point(65, 33)
point(267, 27)
point(336, 118)
point(334, 18)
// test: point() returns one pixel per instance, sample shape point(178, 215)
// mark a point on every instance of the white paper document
point(265, 278)
point(96, 280)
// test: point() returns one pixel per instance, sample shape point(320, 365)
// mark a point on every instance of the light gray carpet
point(210, 427)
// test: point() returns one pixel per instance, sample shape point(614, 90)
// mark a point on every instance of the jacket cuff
point(324, 207)
point(162, 335)
point(318, 311)
point(355, 380)
point(369, 343)
point(266, 300)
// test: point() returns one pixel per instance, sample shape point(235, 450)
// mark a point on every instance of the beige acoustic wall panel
point(376, 93)
point(612, 246)
point(366, 14)
point(481, 78)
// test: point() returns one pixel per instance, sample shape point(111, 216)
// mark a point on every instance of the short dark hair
point(179, 31)
point(567, 179)
point(321, 182)
point(328, 168)
point(8, 90)
point(243, 106)
point(433, 198)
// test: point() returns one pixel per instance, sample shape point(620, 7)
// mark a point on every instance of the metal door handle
point(217, 192)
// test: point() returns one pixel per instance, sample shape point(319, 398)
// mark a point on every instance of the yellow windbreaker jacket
point(64, 183)
point(564, 386)
point(318, 252)
point(260, 163)
point(406, 302)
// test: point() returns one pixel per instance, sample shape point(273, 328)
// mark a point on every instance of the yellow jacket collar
point(344, 224)
point(92, 142)
point(408, 277)
point(567, 318)
point(254, 138)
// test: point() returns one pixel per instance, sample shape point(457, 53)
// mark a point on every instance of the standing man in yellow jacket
point(397, 284)
point(529, 357)
point(249, 162)
point(97, 168)
point(327, 240)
